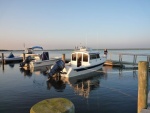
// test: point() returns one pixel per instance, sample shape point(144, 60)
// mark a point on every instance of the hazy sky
point(63, 24)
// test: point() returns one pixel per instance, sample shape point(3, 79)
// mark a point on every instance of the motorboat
point(34, 61)
point(83, 61)
point(27, 52)
point(11, 58)
point(31, 52)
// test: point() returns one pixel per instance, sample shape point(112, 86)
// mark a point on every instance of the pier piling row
point(120, 61)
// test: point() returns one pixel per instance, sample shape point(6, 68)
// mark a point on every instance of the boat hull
point(12, 60)
point(42, 63)
point(74, 72)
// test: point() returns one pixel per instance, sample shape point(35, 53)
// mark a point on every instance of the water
point(108, 90)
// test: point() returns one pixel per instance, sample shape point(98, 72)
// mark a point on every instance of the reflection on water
point(81, 86)
point(26, 72)
point(37, 71)
point(84, 86)
point(12, 65)
point(58, 84)
point(102, 90)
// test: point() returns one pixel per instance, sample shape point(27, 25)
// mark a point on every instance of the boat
point(83, 61)
point(34, 60)
point(27, 52)
point(31, 52)
point(11, 58)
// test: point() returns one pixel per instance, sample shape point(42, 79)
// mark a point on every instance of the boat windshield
point(74, 57)
point(94, 56)
point(29, 51)
point(85, 58)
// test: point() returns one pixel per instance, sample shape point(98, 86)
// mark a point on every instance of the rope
point(114, 72)
point(118, 91)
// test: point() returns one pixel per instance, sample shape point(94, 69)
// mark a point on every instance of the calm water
point(110, 90)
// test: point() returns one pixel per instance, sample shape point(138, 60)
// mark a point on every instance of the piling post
point(3, 59)
point(134, 59)
point(63, 57)
point(120, 59)
point(148, 59)
point(142, 85)
point(23, 56)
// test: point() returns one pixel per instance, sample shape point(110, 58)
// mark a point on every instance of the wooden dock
point(121, 60)
point(148, 107)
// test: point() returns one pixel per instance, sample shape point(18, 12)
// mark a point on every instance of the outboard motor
point(27, 60)
point(59, 66)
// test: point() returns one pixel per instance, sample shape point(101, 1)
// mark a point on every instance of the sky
point(64, 24)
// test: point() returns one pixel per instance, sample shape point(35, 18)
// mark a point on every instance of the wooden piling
point(120, 59)
point(134, 59)
point(142, 85)
point(63, 57)
point(23, 56)
point(148, 59)
point(3, 59)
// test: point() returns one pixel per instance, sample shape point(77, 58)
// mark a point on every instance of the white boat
point(43, 61)
point(38, 61)
point(27, 52)
point(83, 61)
point(11, 58)
point(31, 52)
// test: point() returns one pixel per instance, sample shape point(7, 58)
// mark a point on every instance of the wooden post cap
point(55, 105)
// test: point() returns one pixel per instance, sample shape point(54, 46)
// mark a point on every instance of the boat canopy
point(11, 55)
point(37, 47)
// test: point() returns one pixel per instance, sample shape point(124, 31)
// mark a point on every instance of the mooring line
point(113, 89)
point(115, 71)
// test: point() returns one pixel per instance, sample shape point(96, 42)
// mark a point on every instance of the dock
point(148, 107)
point(121, 62)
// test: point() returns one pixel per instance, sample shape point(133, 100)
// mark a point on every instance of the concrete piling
point(142, 85)
point(54, 105)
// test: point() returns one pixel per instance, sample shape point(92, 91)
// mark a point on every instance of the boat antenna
point(24, 45)
point(86, 42)
point(97, 41)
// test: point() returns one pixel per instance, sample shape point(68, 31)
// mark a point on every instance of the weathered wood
point(142, 85)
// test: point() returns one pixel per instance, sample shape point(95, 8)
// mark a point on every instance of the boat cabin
point(29, 51)
point(84, 58)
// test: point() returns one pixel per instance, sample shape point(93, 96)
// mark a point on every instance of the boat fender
point(57, 68)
